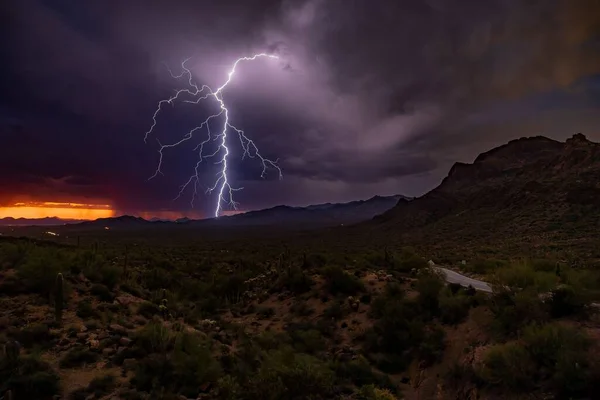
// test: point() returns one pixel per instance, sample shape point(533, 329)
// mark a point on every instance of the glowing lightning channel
point(222, 184)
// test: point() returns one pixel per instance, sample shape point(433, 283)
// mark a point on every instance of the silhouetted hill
point(47, 221)
point(319, 215)
point(122, 221)
point(531, 190)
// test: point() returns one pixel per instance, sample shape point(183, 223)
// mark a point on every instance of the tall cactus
point(59, 298)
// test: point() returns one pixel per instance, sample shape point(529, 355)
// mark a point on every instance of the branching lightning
point(222, 184)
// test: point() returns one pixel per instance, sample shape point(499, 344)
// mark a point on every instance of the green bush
point(188, 367)
point(31, 379)
point(523, 276)
point(296, 281)
point(566, 301)
point(308, 341)
point(102, 292)
point(85, 310)
point(338, 281)
point(429, 286)
point(284, 374)
point(154, 338)
point(35, 334)
point(360, 373)
point(546, 344)
point(432, 346)
point(509, 366)
point(484, 266)
point(514, 310)
point(265, 312)
point(111, 274)
point(38, 271)
point(552, 356)
point(453, 308)
point(335, 310)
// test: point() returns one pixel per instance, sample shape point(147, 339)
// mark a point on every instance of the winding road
point(455, 277)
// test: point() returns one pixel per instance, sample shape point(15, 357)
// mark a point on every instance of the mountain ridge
point(532, 190)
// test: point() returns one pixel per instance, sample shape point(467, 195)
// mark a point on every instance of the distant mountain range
point(48, 221)
point(319, 215)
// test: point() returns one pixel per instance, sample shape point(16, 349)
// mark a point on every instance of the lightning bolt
point(222, 183)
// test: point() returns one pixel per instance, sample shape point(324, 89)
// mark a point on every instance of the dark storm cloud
point(369, 96)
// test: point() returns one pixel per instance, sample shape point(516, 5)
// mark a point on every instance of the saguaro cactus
point(59, 298)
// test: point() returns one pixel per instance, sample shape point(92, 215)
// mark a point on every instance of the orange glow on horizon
point(33, 210)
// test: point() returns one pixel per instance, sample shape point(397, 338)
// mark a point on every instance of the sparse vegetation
point(250, 326)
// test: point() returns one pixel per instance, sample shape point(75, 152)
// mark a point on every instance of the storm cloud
point(368, 97)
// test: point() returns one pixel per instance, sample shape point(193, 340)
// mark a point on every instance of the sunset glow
point(80, 211)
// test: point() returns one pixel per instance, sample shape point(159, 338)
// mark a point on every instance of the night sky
point(368, 97)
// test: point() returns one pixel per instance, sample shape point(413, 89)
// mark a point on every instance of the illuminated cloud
point(375, 97)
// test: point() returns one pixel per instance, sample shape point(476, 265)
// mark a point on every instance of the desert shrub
point(301, 308)
point(315, 260)
point(289, 375)
point(484, 266)
point(410, 262)
point(111, 274)
point(432, 345)
point(13, 254)
point(269, 340)
point(523, 276)
point(338, 281)
point(184, 371)
point(102, 292)
point(453, 307)
point(335, 310)
point(193, 364)
point(85, 310)
point(392, 292)
point(296, 281)
point(514, 310)
point(359, 372)
point(148, 309)
point(371, 392)
point(229, 388)
point(553, 356)
point(77, 357)
point(154, 338)
point(565, 301)
point(35, 334)
point(397, 332)
point(429, 286)
point(230, 288)
point(265, 312)
point(459, 375)
point(308, 341)
point(31, 378)
point(509, 366)
point(38, 271)
point(560, 354)
point(158, 278)
point(544, 265)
